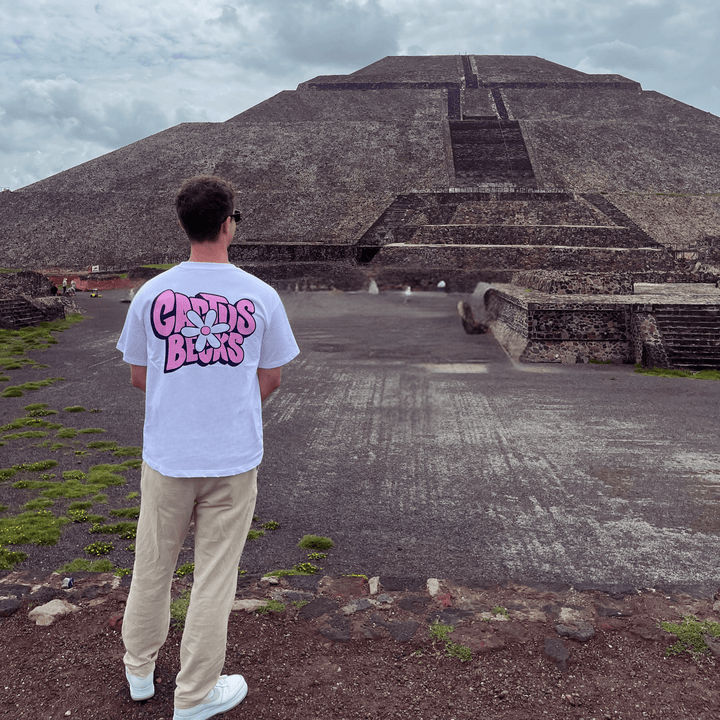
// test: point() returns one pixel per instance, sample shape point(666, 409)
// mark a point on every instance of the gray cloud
point(86, 77)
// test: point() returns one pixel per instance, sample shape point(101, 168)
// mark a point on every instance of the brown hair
point(203, 203)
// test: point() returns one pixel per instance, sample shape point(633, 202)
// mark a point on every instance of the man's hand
point(269, 379)
point(138, 376)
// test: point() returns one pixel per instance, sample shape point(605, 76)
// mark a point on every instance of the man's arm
point(138, 376)
point(269, 379)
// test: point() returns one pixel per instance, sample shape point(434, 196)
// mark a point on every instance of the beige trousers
point(223, 510)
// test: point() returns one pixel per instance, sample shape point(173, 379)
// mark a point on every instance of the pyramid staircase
point(691, 335)
point(17, 313)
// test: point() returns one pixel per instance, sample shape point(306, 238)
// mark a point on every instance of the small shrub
point(690, 635)
point(255, 534)
point(315, 542)
point(271, 525)
point(99, 548)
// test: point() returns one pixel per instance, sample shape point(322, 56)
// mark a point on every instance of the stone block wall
point(531, 330)
point(647, 343)
point(558, 283)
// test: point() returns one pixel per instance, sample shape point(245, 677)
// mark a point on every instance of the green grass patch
point(134, 464)
point(20, 390)
point(271, 525)
point(179, 608)
point(99, 548)
point(36, 528)
point(10, 558)
point(305, 568)
point(125, 530)
point(128, 451)
point(271, 606)
point(103, 445)
point(255, 534)
point(670, 372)
point(74, 409)
point(132, 495)
point(91, 431)
point(38, 504)
point(26, 434)
point(32, 422)
point(690, 635)
point(84, 565)
point(80, 505)
point(315, 542)
point(39, 410)
point(67, 433)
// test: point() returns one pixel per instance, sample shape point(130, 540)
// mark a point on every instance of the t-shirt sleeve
point(133, 342)
point(278, 345)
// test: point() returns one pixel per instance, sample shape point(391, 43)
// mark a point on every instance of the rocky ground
point(352, 648)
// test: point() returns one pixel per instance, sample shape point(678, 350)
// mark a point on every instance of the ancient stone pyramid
point(468, 166)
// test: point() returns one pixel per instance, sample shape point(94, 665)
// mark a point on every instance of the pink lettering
point(175, 353)
point(246, 321)
point(183, 306)
point(235, 352)
point(161, 315)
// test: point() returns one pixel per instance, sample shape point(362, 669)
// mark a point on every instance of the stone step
point(558, 235)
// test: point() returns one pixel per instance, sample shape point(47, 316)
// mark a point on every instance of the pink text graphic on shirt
point(203, 330)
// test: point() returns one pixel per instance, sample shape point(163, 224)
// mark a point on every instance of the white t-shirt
point(203, 330)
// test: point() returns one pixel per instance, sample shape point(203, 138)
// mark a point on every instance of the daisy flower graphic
point(205, 330)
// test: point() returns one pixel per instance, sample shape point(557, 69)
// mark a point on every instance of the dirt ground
point(341, 652)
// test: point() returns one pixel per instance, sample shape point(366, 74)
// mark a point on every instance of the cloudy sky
point(84, 77)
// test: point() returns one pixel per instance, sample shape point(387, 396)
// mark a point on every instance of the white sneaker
point(140, 688)
point(229, 691)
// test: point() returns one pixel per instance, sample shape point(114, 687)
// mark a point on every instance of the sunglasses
point(236, 216)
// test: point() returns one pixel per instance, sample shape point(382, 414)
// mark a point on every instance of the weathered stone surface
point(248, 605)
point(317, 607)
point(49, 612)
point(556, 651)
point(581, 631)
point(8, 606)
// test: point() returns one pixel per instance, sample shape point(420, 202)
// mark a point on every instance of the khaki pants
point(223, 510)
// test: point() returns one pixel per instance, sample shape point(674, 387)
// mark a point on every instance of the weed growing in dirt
point(271, 606)
point(179, 608)
point(299, 569)
point(186, 569)
point(271, 525)
point(315, 542)
point(255, 534)
point(439, 633)
point(124, 530)
point(74, 409)
point(690, 635)
point(99, 548)
point(499, 610)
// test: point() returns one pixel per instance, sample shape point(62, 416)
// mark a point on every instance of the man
point(206, 341)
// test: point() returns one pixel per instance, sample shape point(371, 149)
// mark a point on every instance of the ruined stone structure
point(410, 171)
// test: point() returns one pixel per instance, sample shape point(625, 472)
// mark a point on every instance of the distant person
point(73, 286)
point(54, 289)
point(206, 341)
point(64, 286)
